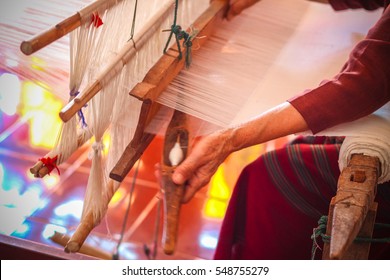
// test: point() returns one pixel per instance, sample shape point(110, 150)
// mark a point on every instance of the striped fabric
point(279, 198)
point(308, 163)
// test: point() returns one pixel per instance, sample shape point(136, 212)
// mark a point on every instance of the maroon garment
point(362, 86)
point(279, 199)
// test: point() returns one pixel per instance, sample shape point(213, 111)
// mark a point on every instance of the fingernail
point(178, 178)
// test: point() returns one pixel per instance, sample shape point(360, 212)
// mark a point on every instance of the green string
point(180, 34)
point(133, 24)
point(320, 230)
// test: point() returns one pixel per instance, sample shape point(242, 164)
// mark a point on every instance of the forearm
point(280, 121)
point(320, 1)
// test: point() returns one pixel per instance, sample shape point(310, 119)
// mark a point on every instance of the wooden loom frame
point(155, 82)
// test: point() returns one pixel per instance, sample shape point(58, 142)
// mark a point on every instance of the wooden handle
point(63, 239)
point(176, 137)
point(87, 224)
point(129, 157)
point(40, 171)
point(79, 102)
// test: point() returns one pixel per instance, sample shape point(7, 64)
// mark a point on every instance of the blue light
point(72, 208)
point(208, 241)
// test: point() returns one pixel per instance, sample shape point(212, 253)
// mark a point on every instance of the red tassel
point(96, 20)
point(50, 163)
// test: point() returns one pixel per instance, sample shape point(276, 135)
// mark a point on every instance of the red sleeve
point(362, 87)
point(356, 4)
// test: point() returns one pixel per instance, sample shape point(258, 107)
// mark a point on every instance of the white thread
point(176, 155)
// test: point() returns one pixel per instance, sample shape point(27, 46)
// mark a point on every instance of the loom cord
point(116, 254)
point(320, 231)
point(133, 23)
point(180, 34)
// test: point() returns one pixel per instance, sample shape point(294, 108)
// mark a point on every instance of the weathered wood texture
point(352, 211)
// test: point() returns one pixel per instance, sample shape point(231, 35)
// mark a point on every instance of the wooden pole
point(63, 239)
point(87, 224)
point(39, 170)
point(64, 27)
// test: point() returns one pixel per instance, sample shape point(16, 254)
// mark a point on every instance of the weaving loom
point(257, 66)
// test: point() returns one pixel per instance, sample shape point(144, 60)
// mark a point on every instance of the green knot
point(320, 231)
point(180, 34)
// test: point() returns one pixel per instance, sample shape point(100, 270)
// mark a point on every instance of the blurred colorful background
point(33, 209)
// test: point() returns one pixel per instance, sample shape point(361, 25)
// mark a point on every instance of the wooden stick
point(39, 170)
point(175, 150)
point(86, 225)
point(115, 66)
point(350, 207)
point(129, 157)
point(64, 27)
point(63, 239)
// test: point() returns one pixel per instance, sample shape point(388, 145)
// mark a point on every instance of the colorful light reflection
point(10, 88)
point(72, 208)
point(17, 202)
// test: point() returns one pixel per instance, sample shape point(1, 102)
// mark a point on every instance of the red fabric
point(96, 20)
point(362, 86)
point(261, 223)
point(356, 4)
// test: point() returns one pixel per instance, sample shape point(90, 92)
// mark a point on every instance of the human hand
point(202, 162)
point(237, 6)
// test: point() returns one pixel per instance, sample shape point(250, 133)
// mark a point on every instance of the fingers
point(236, 7)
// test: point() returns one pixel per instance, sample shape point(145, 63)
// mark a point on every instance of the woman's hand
point(237, 6)
point(198, 168)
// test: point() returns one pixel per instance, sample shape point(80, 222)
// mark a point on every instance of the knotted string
point(97, 149)
point(320, 230)
point(50, 163)
point(180, 34)
point(79, 112)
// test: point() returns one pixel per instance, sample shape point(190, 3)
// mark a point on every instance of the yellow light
point(37, 63)
point(218, 186)
point(215, 208)
point(219, 193)
point(106, 143)
point(117, 198)
point(50, 180)
point(33, 95)
point(44, 107)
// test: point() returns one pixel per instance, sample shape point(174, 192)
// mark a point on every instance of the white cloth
point(369, 136)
